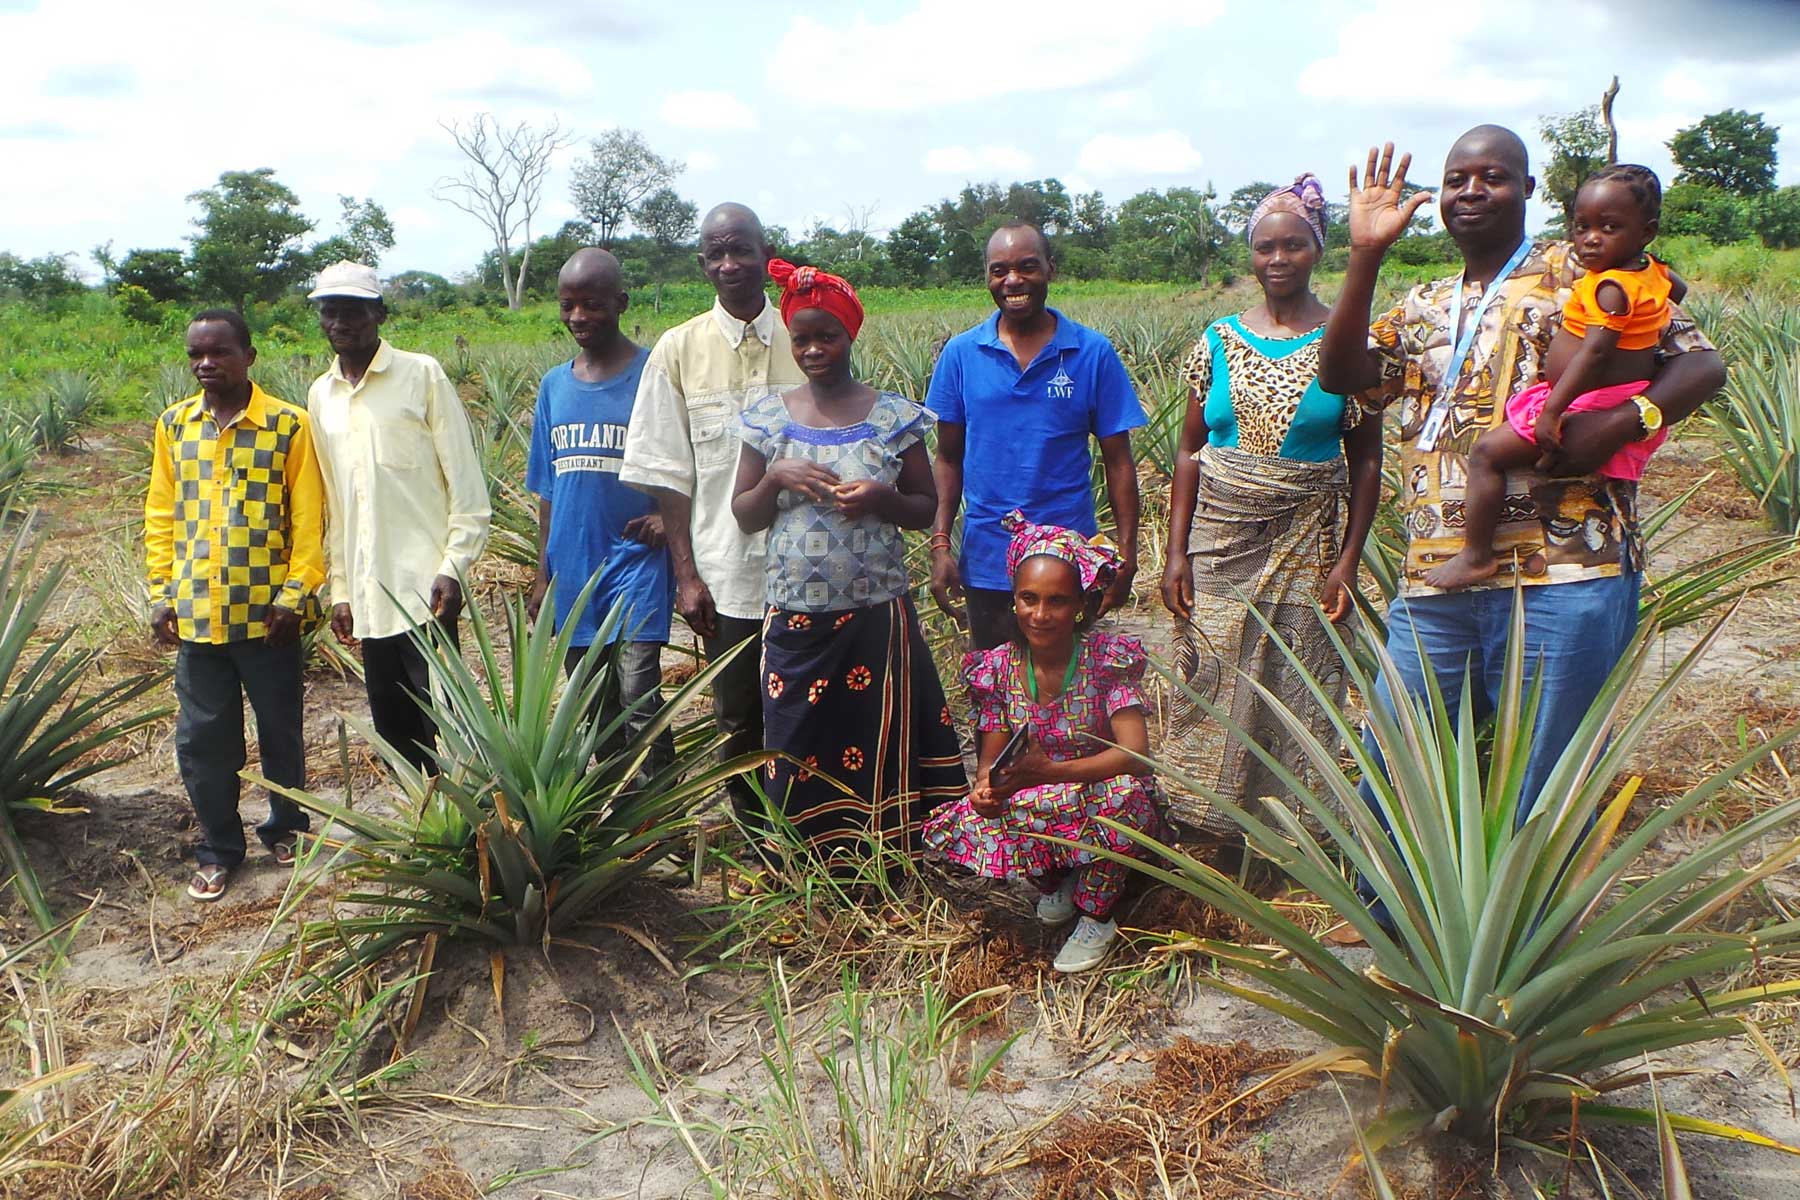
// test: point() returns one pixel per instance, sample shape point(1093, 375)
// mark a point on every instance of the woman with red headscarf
point(834, 470)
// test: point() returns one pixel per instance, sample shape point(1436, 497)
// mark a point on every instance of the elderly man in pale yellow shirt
point(680, 448)
point(408, 504)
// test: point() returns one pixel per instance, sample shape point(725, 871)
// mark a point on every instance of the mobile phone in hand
point(1015, 747)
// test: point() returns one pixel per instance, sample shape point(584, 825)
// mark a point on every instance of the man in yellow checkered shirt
point(233, 530)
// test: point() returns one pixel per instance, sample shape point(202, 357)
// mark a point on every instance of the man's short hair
point(1042, 237)
point(226, 316)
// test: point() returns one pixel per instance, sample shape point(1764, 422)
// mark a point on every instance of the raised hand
point(1378, 215)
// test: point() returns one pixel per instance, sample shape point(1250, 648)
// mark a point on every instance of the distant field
point(133, 365)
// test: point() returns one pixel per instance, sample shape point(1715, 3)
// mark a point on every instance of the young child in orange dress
point(1603, 356)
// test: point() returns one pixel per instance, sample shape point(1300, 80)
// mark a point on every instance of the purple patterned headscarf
point(1095, 560)
point(1304, 198)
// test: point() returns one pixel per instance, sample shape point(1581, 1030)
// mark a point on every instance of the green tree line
point(251, 243)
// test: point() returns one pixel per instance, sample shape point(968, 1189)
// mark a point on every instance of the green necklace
point(1031, 686)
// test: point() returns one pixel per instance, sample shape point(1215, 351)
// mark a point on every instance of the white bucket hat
point(345, 278)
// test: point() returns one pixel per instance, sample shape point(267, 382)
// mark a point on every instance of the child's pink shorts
point(1523, 409)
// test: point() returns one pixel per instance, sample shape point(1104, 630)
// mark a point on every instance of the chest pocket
point(399, 438)
point(709, 429)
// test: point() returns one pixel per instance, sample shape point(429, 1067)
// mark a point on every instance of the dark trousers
point(637, 675)
point(737, 704)
point(397, 676)
point(991, 618)
point(211, 681)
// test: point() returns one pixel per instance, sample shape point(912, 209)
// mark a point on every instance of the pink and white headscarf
point(1095, 559)
point(1304, 198)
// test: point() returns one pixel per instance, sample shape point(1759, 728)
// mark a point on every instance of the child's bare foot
point(1471, 566)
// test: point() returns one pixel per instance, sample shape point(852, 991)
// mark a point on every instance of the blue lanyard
point(1465, 342)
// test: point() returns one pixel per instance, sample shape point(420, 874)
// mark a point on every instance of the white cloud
point(975, 160)
point(799, 147)
point(848, 143)
point(700, 160)
point(1166, 152)
point(1389, 58)
point(946, 52)
point(713, 111)
point(1134, 103)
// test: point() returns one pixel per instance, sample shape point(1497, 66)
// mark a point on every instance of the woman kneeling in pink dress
point(1073, 692)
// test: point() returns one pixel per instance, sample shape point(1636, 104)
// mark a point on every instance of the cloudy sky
point(111, 111)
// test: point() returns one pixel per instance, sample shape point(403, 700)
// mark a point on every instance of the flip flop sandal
point(209, 882)
point(784, 933)
point(746, 885)
point(286, 849)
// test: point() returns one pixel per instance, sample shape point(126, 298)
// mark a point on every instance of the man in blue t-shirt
point(1017, 398)
point(587, 520)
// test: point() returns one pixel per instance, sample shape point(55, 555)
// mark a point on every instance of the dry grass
point(998, 964)
point(1716, 724)
point(442, 1179)
point(1180, 1130)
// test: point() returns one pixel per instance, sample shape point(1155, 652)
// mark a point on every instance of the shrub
point(135, 304)
point(1758, 414)
point(1528, 964)
point(60, 407)
point(1708, 212)
point(50, 733)
point(524, 830)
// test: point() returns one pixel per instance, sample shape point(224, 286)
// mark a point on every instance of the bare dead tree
point(1606, 118)
point(856, 224)
point(502, 185)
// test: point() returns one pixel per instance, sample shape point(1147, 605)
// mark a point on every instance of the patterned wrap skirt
point(852, 698)
point(1266, 531)
point(1017, 842)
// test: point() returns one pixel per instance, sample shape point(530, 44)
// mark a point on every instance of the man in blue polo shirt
point(1017, 398)
point(587, 520)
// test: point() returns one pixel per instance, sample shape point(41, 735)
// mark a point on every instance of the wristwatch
point(1650, 417)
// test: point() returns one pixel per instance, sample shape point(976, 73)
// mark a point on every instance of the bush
point(1708, 212)
point(1528, 964)
point(523, 831)
point(50, 734)
point(61, 406)
point(1776, 217)
point(136, 304)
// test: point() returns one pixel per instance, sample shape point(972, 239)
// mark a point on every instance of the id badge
point(1433, 427)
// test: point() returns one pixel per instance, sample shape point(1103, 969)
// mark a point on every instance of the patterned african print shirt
point(819, 560)
point(1561, 530)
point(1261, 394)
point(234, 521)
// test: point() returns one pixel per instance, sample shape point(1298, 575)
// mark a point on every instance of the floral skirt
point(1015, 844)
point(853, 699)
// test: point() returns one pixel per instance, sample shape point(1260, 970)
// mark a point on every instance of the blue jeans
point(1575, 633)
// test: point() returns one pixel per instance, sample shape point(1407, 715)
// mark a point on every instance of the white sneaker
point(1056, 907)
point(1086, 946)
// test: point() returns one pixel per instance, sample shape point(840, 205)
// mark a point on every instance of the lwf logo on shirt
point(1061, 386)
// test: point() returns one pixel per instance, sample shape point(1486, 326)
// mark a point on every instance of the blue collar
point(1067, 335)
